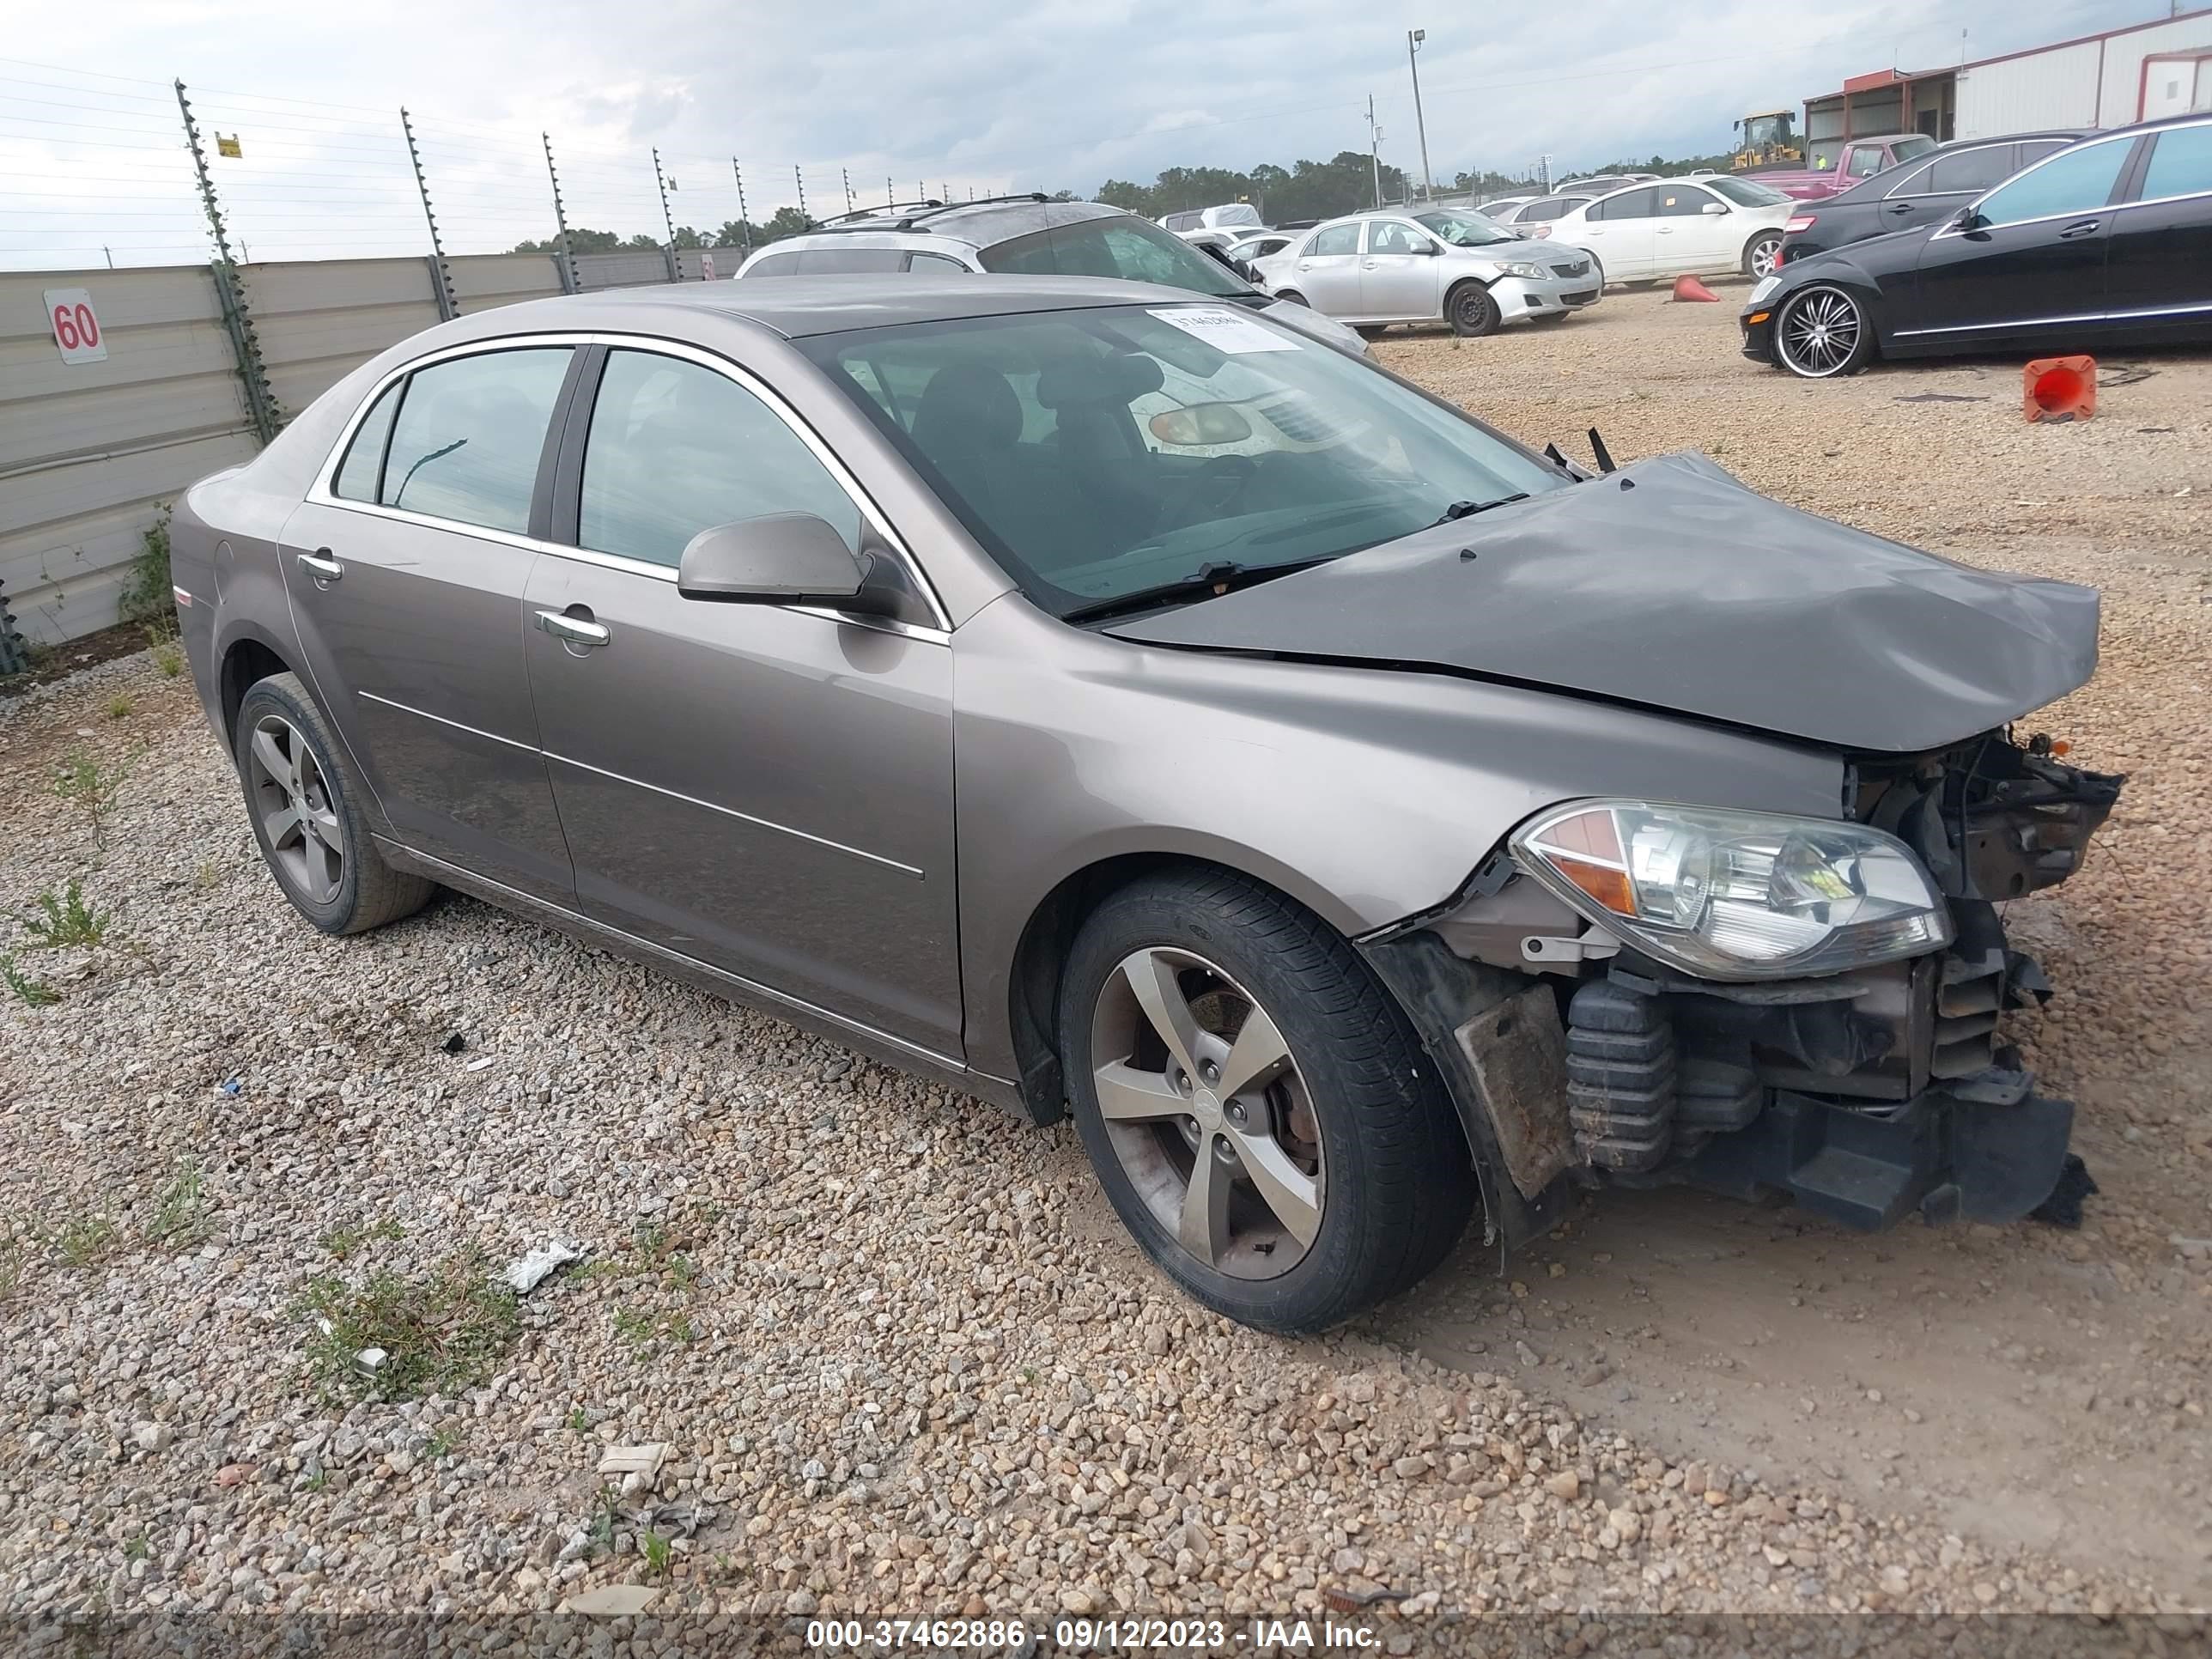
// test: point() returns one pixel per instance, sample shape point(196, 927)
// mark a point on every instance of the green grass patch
point(64, 918)
point(442, 1333)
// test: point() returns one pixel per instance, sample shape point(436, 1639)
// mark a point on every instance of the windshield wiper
point(1468, 510)
point(1207, 582)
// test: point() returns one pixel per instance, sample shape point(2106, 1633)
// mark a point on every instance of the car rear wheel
point(1470, 311)
point(1762, 254)
point(1257, 1110)
point(304, 803)
point(1821, 333)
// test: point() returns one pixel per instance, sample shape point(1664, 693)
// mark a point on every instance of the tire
point(323, 857)
point(1762, 255)
point(1371, 331)
point(1819, 319)
point(1471, 311)
point(1358, 1143)
point(1597, 269)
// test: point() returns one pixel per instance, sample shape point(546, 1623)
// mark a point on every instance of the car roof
point(798, 306)
point(979, 224)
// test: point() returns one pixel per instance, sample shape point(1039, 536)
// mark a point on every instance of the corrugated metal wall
point(2121, 93)
point(89, 452)
point(2054, 88)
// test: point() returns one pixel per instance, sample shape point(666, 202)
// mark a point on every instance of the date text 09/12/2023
point(1102, 1635)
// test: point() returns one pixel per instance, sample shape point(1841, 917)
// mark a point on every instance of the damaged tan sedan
point(1112, 702)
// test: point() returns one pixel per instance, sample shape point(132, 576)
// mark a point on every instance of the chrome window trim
point(2078, 316)
point(321, 493)
point(2124, 136)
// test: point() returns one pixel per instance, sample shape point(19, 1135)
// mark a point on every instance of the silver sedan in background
point(1433, 266)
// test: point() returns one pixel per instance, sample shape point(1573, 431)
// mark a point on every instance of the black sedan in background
point(2106, 243)
point(1930, 186)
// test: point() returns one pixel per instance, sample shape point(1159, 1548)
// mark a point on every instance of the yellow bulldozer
point(1769, 140)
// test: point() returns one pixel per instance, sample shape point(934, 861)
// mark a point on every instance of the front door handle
point(573, 631)
point(323, 567)
point(2080, 228)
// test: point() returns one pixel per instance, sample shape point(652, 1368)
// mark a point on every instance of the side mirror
point(779, 558)
point(1713, 207)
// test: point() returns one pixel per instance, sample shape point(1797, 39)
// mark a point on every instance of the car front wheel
point(1471, 311)
point(304, 807)
point(1257, 1110)
point(1822, 332)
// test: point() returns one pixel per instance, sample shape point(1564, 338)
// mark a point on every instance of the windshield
point(1125, 245)
point(1098, 453)
point(1744, 192)
point(1466, 229)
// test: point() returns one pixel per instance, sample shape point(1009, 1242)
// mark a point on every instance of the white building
point(2109, 80)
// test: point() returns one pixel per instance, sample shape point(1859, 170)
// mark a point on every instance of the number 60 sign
point(76, 331)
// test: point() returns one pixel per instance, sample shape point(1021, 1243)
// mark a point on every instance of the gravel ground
point(900, 1357)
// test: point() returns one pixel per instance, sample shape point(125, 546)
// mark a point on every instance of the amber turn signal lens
point(1759, 316)
point(1608, 887)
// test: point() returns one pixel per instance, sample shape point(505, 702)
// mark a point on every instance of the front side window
point(363, 466)
point(1389, 236)
point(675, 448)
point(1102, 453)
point(1132, 249)
point(1335, 239)
point(2078, 181)
point(2181, 165)
point(466, 443)
point(1969, 171)
point(1466, 229)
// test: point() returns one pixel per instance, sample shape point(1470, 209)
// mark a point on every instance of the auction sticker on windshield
point(1224, 330)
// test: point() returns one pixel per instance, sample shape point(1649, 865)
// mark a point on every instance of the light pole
point(1375, 151)
point(1413, 39)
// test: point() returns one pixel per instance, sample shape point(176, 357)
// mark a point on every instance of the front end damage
point(1864, 1095)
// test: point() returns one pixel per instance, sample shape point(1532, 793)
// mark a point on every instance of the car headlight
point(1766, 286)
point(1519, 268)
point(1731, 895)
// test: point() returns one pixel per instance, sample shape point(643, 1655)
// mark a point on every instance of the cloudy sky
point(983, 94)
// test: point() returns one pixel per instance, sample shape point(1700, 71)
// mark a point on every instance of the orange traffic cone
point(2059, 389)
point(1689, 288)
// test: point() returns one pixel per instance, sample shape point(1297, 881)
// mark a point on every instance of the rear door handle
point(323, 567)
point(573, 631)
point(2080, 228)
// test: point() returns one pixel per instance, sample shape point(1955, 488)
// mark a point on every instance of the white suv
point(1216, 226)
point(1027, 236)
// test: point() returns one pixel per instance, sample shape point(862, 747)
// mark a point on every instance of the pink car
point(1856, 160)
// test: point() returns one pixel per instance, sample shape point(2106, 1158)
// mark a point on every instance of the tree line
point(1304, 190)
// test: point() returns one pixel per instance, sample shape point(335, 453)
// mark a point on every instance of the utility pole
point(846, 174)
point(745, 219)
point(661, 182)
point(801, 179)
point(261, 404)
point(572, 279)
point(449, 306)
point(1413, 39)
point(1375, 151)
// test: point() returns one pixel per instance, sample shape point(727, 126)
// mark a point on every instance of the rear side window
point(1122, 246)
point(2181, 165)
point(1970, 170)
point(1681, 203)
point(466, 442)
point(363, 466)
point(933, 264)
point(2036, 150)
point(1915, 183)
point(849, 261)
point(675, 449)
point(775, 265)
point(1337, 239)
point(1629, 205)
point(2079, 181)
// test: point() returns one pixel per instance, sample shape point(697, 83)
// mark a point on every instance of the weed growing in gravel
point(91, 788)
point(656, 1551)
point(443, 1333)
point(24, 989)
point(342, 1241)
point(182, 1217)
point(444, 1443)
point(12, 1254)
point(602, 1522)
point(209, 874)
point(138, 1548)
point(64, 918)
point(580, 1421)
point(148, 595)
point(120, 705)
point(86, 1241)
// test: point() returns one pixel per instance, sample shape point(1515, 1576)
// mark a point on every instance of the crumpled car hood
point(1669, 584)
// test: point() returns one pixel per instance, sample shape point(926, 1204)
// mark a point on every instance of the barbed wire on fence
point(94, 170)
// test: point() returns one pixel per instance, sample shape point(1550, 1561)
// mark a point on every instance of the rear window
point(1125, 245)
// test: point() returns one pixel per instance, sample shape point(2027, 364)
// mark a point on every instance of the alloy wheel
point(297, 810)
point(1208, 1113)
point(1818, 332)
point(1765, 256)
